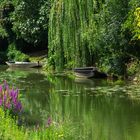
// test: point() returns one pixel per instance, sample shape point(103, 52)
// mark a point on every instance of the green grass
point(9, 130)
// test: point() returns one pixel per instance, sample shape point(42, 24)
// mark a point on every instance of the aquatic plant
point(9, 99)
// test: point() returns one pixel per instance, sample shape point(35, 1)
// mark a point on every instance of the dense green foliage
point(89, 32)
point(16, 55)
point(80, 33)
point(25, 26)
point(30, 20)
point(133, 20)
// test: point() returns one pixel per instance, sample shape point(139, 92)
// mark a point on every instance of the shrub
point(15, 55)
point(133, 67)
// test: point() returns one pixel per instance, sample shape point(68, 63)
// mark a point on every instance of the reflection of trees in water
point(12, 77)
point(111, 118)
point(99, 117)
point(94, 117)
point(37, 99)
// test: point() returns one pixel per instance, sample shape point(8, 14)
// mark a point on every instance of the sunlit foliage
point(87, 32)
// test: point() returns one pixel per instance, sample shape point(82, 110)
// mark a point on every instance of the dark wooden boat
point(85, 68)
point(24, 64)
point(88, 72)
point(85, 72)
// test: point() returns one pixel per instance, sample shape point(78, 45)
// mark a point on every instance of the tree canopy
point(105, 33)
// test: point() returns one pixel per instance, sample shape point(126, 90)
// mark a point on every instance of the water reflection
point(92, 117)
point(28, 70)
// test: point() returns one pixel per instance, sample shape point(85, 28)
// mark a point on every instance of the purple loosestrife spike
point(8, 105)
point(16, 93)
point(6, 87)
point(4, 81)
point(0, 88)
point(9, 98)
point(18, 106)
point(17, 90)
point(13, 96)
point(49, 121)
point(14, 100)
point(0, 101)
point(5, 98)
point(11, 92)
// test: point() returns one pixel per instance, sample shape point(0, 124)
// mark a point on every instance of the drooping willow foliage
point(70, 33)
point(82, 32)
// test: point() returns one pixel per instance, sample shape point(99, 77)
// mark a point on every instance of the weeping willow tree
point(85, 32)
point(71, 29)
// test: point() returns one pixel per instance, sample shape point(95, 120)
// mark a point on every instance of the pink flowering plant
point(9, 99)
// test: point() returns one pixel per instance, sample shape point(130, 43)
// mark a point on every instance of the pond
point(97, 109)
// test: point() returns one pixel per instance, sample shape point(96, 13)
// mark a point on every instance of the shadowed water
point(96, 109)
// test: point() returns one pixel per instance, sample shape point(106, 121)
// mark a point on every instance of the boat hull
point(84, 73)
point(89, 72)
point(23, 64)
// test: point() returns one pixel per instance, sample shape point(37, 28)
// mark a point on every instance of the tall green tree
point(30, 20)
point(131, 28)
point(85, 32)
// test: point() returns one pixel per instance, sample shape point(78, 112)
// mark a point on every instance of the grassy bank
point(9, 130)
point(12, 126)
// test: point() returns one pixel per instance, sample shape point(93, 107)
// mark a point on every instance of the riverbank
point(9, 129)
point(131, 68)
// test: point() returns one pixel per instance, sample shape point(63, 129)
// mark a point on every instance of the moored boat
point(85, 68)
point(88, 72)
point(85, 72)
point(24, 64)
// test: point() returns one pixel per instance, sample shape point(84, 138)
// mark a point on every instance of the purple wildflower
point(8, 105)
point(49, 121)
point(0, 88)
point(18, 106)
point(6, 87)
point(11, 92)
point(16, 93)
point(0, 101)
point(14, 100)
point(5, 98)
point(9, 98)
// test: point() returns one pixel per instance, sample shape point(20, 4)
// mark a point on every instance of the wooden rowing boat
point(24, 64)
point(84, 74)
point(88, 72)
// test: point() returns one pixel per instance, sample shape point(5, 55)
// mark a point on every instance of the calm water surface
point(89, 105)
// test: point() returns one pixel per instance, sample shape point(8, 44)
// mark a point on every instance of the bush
point(133, 67)
point(15, 55)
